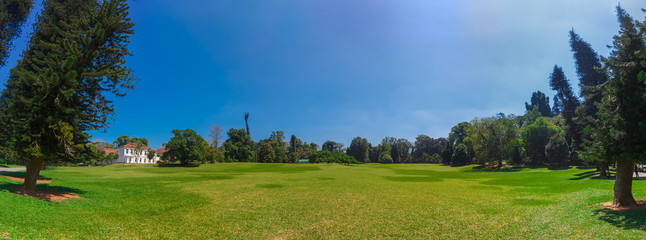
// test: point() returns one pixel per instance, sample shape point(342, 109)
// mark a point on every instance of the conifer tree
point(56, 92)
point(569, 102)
point(589, 71)
point(542, 102)
point(622, 113)
point(13, 14)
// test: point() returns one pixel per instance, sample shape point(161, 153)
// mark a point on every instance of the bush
point(325, 156)
point(557, 150)
point(460, 156)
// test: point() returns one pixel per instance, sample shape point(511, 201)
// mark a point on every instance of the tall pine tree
point(542, 102)
point(13, 14)
point(568, 101)
point(622, 114)
point(56, 92)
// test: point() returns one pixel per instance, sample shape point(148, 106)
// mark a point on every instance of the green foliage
point(123, 140)
point(359, 148)
point(266, 153)
point(325, 156)
point(186, 146)
point(426, 146)
point(239, 146)
point(490, 138)
point(332, 146)
point(385, 157)
point(517, 151)
point(536, 136)
point(541, 102)
point(458, 133)
point(13, 14)
point(568, 103)
point(401, 151)
point(460, 155)
point(557, 151)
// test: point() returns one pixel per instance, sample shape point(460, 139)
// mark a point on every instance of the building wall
point(130, 155)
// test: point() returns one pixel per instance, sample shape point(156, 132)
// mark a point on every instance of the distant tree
point(332, 146)
point(557, 150)
point(542, 102)
point(123, 140)
point(447, 154)
point(426, 146)
point(530, 116)
point(359, 148)
point(590, 73)
point(215, 135)
point(186, 146)
point(266, 153)
point(401, 151)
point(325, 156)
point(385, 157)
point(296, 149)
point(13, 14)
point(458, 133)
point(517, 151)
point(570, 102)
point(491, 138)
point(246, 123)
point(621, 128)
point(536, 136)
point(150, 154)
point(239, 146)
point(460, 155)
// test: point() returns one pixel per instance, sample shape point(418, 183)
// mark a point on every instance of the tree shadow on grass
point(490, 168)
point(628, 219)
point(584, 175)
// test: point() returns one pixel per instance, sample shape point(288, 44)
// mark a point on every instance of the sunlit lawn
point(287, 201)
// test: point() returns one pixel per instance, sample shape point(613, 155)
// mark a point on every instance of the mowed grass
point(313, 201)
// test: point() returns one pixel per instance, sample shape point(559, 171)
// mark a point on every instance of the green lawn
point(312, 201)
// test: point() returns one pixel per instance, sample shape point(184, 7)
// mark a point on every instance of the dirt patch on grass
point(641, 204)
point(22, 179)
point(47, 195)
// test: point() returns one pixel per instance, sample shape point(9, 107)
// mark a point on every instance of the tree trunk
point(624, 184)
point(603, 167)
point(33, 171)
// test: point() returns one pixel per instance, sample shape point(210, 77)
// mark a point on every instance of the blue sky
point(337, 69)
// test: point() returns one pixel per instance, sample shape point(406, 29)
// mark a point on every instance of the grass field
point(287, 201)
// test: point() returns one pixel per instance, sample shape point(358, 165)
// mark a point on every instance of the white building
point(130, 154)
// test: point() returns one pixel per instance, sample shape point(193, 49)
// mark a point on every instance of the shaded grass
point(291, 201)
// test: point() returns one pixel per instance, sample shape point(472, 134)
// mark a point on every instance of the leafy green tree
point(622, 128)
point(332, 146)
point(239, 146)
point(536, 136)
point(425, 147)
point(557, 150)
point(325, 156)
point(401, 151)
point(385, 157)
point(123, 140)
point(517, 151)
point(266, 153)
point(13, 14)
point(460, 156)
point(458, 133)
point(542, 102)
point(359, 148)
point(570, 102)
point(55, 94)
point(150, 154)
point(186, 146)
point(491, 138)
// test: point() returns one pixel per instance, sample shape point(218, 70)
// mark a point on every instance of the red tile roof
point(132, 145)
point(161, 150)
point(109, 150)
